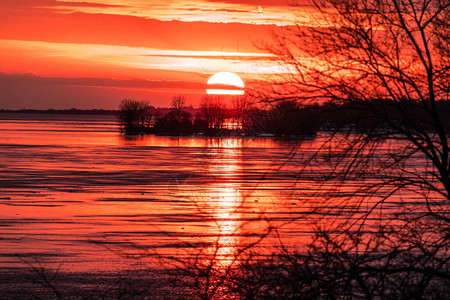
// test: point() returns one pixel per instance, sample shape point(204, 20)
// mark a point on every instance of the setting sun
point(230, 84)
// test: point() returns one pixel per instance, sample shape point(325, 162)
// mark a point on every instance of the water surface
point(76, 194)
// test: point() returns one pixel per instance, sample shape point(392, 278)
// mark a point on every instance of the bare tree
point(391, 50)
point(178, 103)
point(213, 110)
point(243, 107)
point(134, 115)
point(390, 59)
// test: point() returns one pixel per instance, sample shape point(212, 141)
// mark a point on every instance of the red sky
point(92, 54)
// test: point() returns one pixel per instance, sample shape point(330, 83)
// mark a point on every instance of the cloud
point(49, 58)
point(19, 91)
point(38, 4)
point(84, 4)
point(29, 79)
point(131, 31)
point(268, 12)
point(187, 11)
point(228, 10)
point(254, 2)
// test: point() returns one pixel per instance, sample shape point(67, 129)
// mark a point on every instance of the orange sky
point(92, 54)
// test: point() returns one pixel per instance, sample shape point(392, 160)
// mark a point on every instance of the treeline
point(213, 117)
point(242, 116)
point(381, 114)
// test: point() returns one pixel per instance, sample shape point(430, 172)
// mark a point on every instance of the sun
point(226, 83)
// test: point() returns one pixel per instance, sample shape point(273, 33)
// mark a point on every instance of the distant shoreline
point(76, 111)
point(72, 111)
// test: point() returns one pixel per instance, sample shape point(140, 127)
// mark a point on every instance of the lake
point(78, 196)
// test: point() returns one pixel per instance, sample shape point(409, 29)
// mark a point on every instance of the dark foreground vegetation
point(380, 71)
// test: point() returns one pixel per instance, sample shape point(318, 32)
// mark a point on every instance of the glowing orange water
point(75, 193)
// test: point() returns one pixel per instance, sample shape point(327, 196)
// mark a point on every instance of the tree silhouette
point(383, 186)
point(134, 116)
point(178, 103)
point(243, 108)
point(213, 111)
point(389, 59)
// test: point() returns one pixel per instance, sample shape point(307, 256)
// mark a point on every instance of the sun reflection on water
point(226, 196)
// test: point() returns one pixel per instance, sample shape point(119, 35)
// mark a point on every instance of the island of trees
point(283, 118)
